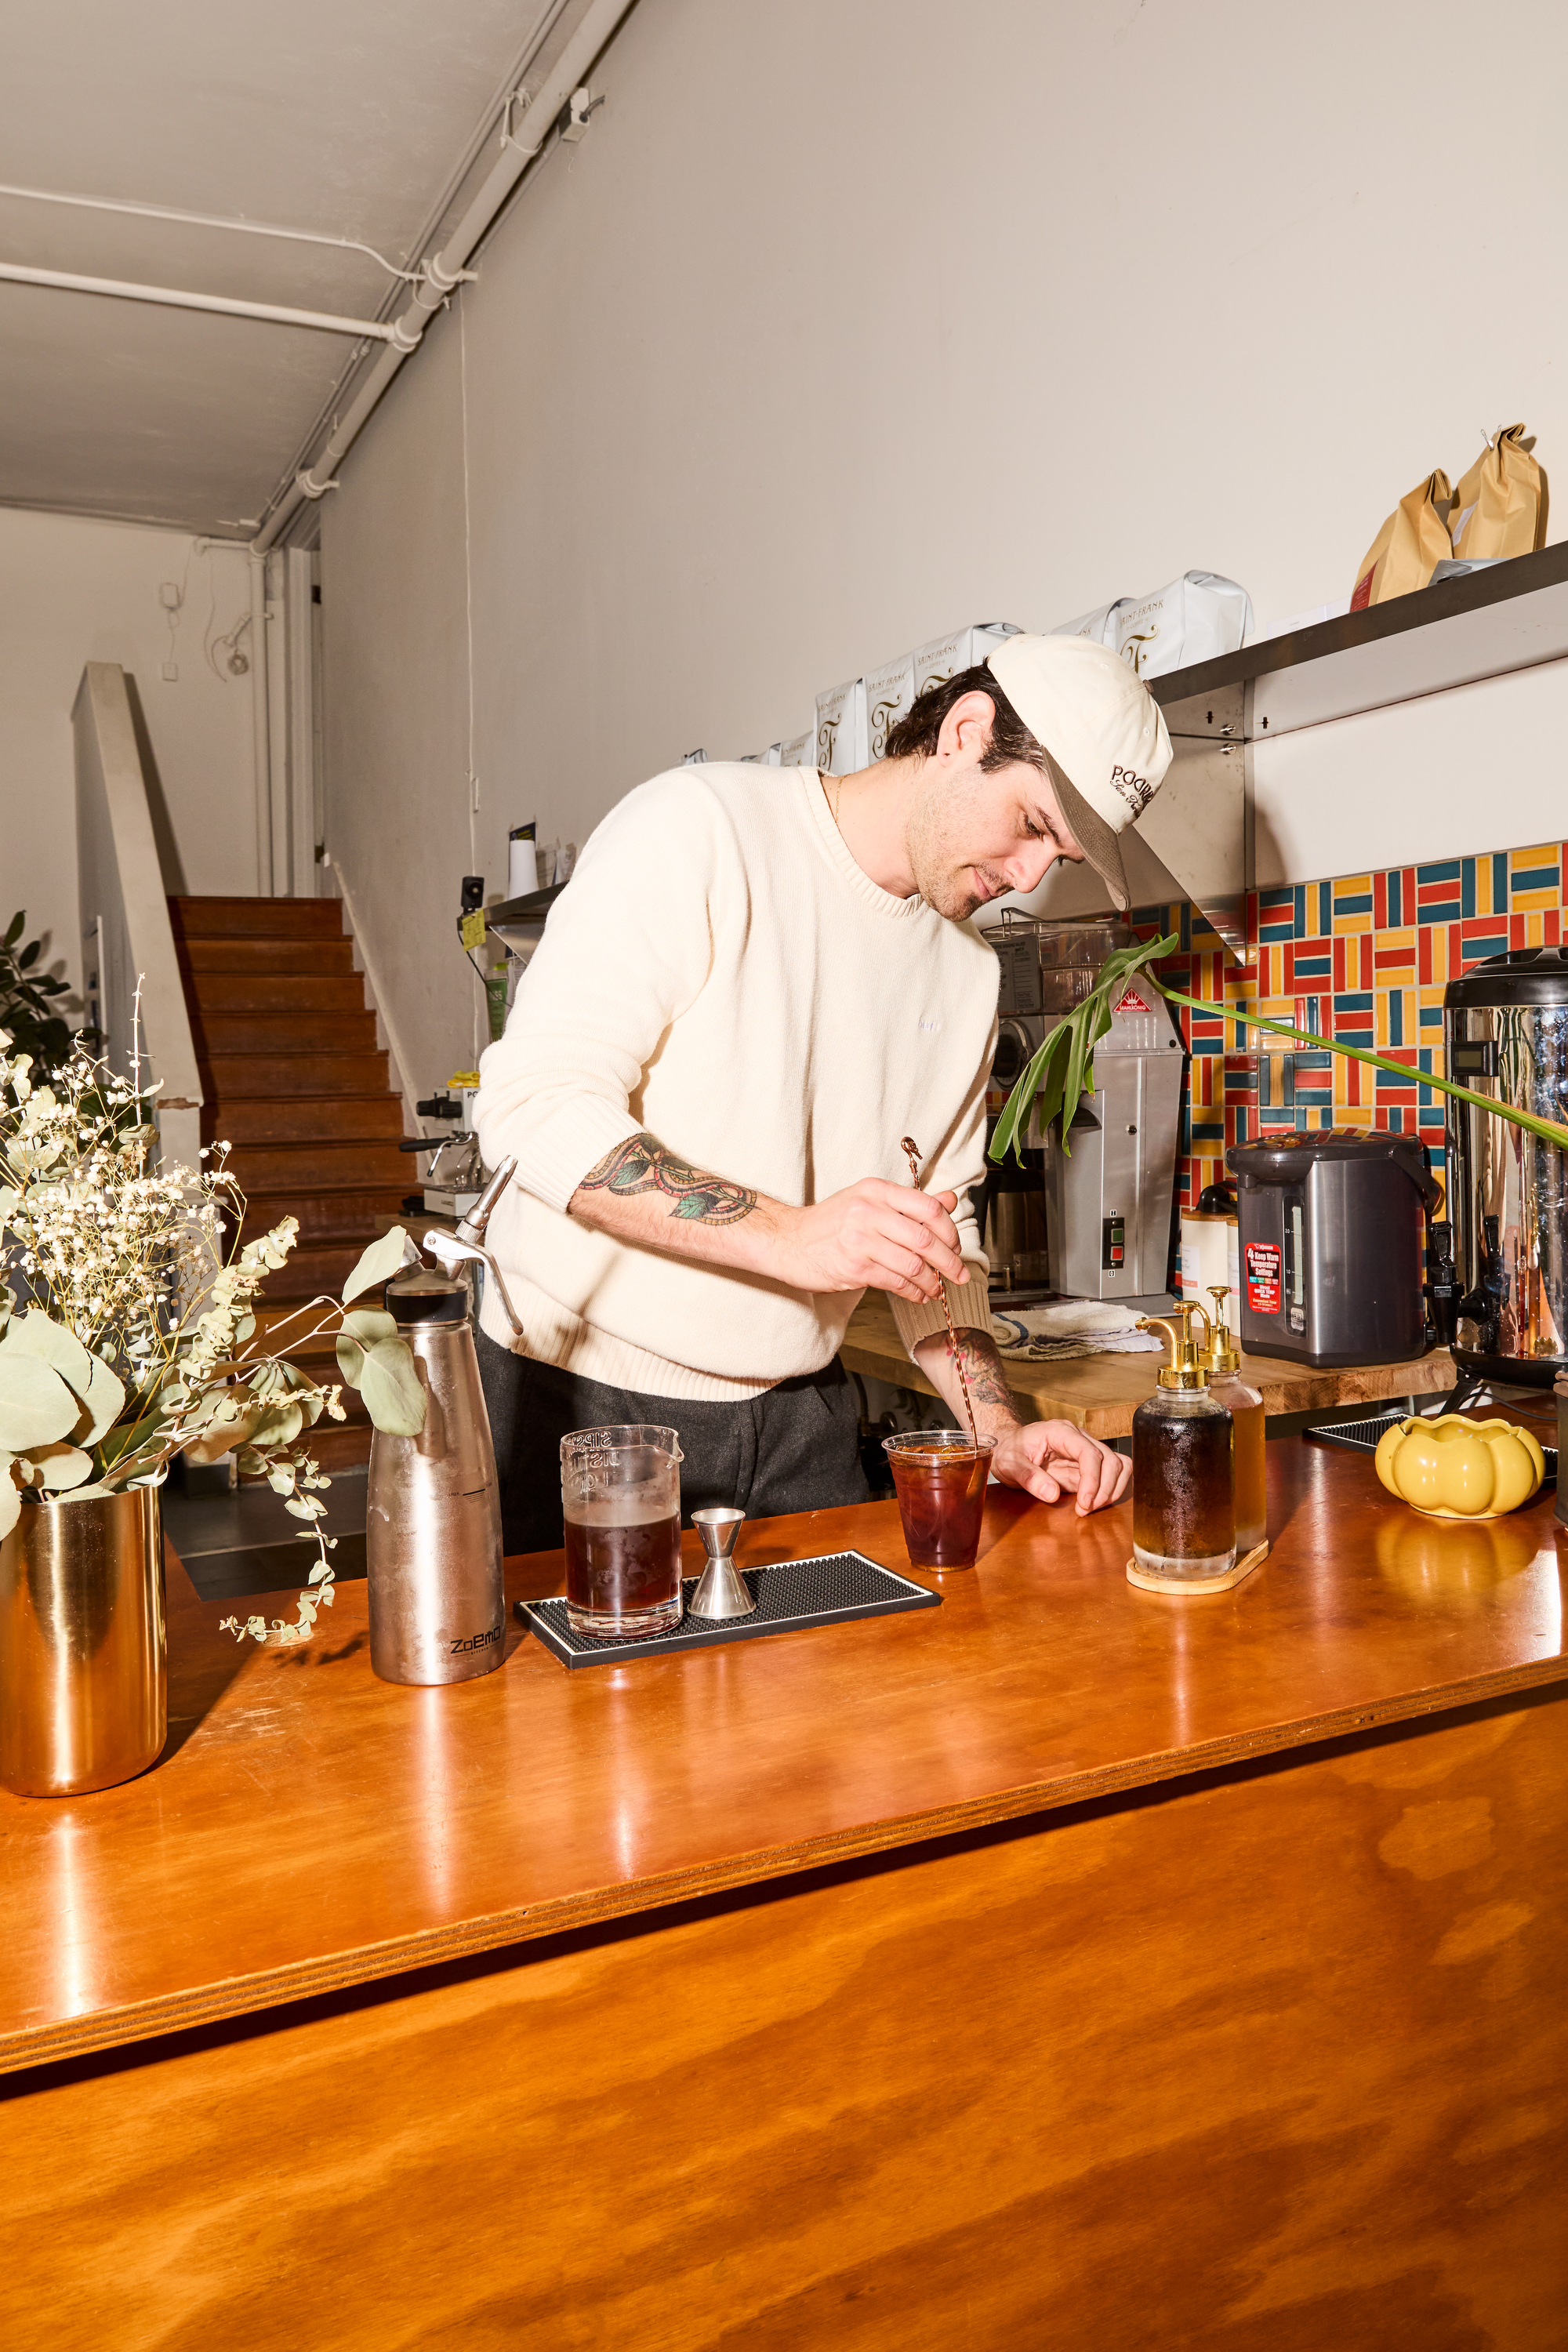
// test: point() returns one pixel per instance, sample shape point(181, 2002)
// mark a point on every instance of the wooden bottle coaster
point(1232, 1576)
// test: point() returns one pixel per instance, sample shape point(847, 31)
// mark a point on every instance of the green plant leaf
point(14, 928)
point(389, 1387)
point(225, 1425)
point(279, 1425)
point(369, 1324)
point(379, 1263)
point(58, 1466)
point(351, 1360)
point(102, 1404)
point(35, 1405)
point(38, 1334)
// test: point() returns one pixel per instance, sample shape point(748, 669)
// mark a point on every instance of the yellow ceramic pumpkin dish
point(1453, 1468)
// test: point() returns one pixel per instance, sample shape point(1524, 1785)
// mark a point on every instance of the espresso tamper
point(723, 1590)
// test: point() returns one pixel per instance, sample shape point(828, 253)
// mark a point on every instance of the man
point(754, 987)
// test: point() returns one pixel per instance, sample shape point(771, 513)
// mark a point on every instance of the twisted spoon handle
point(913, 1154)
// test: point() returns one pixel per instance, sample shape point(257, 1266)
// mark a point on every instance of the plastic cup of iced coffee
point(620, 1500)
point(940, 1478)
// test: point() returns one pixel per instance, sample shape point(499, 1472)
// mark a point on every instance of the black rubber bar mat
point(823, 1591)
point(1362, 1437)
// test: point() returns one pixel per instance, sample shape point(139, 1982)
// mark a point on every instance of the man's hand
point(1050, 1458)
point(872, 1236)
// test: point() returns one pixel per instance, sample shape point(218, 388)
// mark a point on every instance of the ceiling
point(361, 119)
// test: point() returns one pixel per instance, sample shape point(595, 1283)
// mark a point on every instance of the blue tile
point(1447, 871)
point(1466, 888)
point(1396, 882)
point(1396, 1016)
point(1358, 1002)
point(1359, 902)
point(1499, 882)
point(1431, 1016)
point(1300, 912)
point(1536, 877)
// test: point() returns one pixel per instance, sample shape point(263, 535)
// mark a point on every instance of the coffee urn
point(1504, 1032)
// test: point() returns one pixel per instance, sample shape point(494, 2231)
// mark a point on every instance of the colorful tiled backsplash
point(1363, 957)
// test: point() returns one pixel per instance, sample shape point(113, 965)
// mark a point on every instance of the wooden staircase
point(297, 1086)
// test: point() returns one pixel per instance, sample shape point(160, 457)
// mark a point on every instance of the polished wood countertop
point(310, 1827)
point(1101, 1393)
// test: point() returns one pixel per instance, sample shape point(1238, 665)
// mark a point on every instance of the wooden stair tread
point(290, 918)
point(298, 1083)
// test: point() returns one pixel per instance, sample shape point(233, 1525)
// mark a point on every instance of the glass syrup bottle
point(1245, 1405)
point(1184, 1473)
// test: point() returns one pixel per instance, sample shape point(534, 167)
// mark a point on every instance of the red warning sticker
point(1263, 1267)
point(1132, 1003)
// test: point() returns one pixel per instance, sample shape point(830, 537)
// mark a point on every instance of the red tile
point(1516, 931)
point(1423, 955)
point(1380, 902)
point(1340, 982)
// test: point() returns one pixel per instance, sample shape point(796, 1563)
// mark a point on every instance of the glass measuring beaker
point(620, 1500)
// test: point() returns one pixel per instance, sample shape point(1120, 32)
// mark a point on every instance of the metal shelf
point(1481, 625)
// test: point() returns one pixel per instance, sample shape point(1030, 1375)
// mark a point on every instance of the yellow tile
point(1546, 853)
point(1350, 926)
point(1532, 901)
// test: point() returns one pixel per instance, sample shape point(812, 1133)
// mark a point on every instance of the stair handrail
point(128, 938)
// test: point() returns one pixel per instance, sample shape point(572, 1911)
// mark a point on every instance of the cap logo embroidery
point(1135, 790)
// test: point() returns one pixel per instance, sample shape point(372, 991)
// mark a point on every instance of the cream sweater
point(722, 972)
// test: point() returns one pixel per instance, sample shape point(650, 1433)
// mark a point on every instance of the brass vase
point(83, 1674)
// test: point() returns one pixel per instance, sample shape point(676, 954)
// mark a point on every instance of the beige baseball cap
point(1102, 731)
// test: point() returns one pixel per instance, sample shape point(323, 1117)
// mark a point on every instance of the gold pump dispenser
point(1186, 1369)
point(1183, 1471)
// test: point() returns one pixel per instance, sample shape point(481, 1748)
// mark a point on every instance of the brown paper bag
point(1412, 541)
point(1499, 508)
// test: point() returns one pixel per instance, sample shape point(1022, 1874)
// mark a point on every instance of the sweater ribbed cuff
point(970, 1304)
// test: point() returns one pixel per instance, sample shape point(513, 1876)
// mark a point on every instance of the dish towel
point(1071, 1327)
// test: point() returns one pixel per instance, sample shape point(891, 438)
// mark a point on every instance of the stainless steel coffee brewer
point(1505, 1029)
point(432, 1535)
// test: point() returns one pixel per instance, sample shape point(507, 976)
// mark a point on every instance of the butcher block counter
point(1064, 1965)
point(1101, 1393)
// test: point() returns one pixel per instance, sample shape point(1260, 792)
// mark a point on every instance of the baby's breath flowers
point(137, 1337)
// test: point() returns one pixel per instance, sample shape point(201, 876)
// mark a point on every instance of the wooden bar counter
point(1101, 1393)
point(1065, 1966)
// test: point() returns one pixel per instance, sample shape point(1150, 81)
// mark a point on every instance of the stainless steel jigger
point(723, 1591)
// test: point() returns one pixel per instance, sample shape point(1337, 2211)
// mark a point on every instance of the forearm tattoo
point(642, 1164)
point(983, 1368)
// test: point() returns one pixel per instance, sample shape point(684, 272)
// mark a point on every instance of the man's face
point(973, 835)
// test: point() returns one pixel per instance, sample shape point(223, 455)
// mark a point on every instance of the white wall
point(73, 592)
point(850, 320)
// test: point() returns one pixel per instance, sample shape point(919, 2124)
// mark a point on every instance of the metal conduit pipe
point(174, 297)
point(447, 271)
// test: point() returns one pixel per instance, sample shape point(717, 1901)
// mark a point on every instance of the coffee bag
point(1499, 507)
point(1412, 541)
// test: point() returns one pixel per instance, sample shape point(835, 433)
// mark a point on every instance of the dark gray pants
point(793, 1448)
